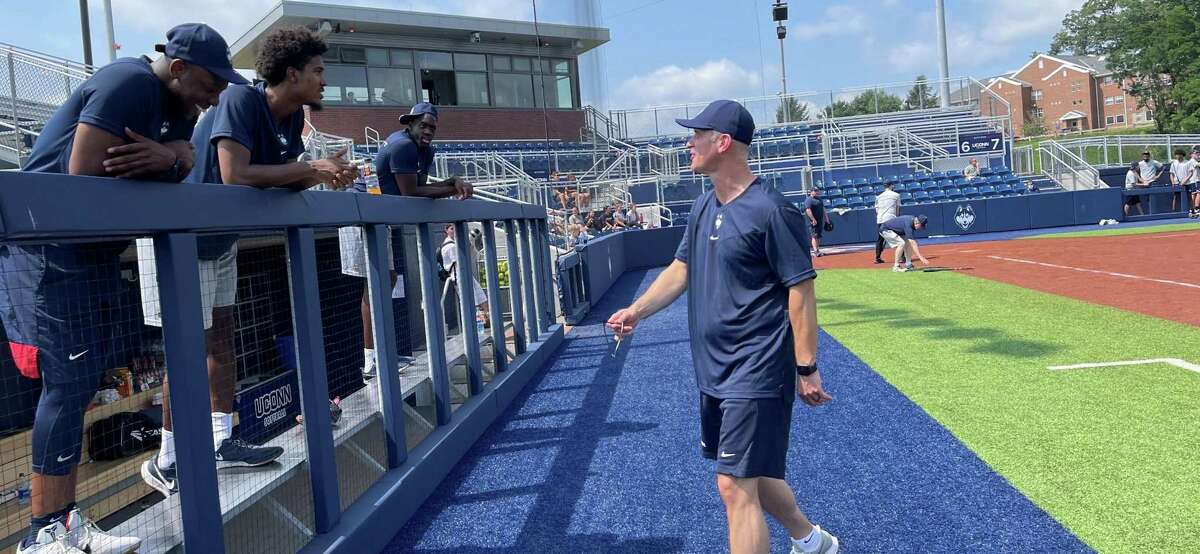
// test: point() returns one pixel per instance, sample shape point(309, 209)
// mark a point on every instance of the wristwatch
point(806, 370)
point(174, 174)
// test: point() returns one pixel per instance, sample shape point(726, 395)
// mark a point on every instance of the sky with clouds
point(662, 51)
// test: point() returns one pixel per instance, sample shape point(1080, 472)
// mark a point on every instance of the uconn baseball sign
point(268, 408)
point(980, 143)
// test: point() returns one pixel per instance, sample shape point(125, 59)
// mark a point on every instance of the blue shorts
point(748, 437)
point(53, 301)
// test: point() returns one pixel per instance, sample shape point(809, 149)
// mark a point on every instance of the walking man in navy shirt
point(745, 263)
point(131, 119)
point(251, 137)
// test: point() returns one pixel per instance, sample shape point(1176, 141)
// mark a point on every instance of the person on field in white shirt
point(887, 206)
point(1183, 172)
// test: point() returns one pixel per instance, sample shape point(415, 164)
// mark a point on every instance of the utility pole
point(779, 13)
point(112, 39)
point(943, 60)
point(86, 27)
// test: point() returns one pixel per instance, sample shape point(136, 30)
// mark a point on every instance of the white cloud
point(1013, 20)
point(679, 85)
point(836, 21)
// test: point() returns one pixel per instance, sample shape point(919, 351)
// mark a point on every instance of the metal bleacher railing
point(32, 86)
point(332, 493)
point(1066, 168)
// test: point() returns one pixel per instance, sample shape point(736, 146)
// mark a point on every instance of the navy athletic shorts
point(817, 230)
point(53, 301)
point(748, 437)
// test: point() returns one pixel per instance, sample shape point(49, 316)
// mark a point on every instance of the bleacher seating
point(918, 188)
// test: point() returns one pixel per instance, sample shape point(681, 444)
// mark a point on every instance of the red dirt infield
point(1154, 274)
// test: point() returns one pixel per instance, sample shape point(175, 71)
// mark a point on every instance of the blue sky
point(662, 51)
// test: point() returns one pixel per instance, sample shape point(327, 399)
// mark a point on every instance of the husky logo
point(964, 216)
point(166, 127)
point(716, 227)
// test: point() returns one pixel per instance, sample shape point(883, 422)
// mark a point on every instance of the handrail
point(79, 66)
point(1084, 173)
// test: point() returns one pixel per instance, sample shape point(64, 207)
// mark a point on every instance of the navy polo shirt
point(901, 225)
point(402, 156)
point(124, 93)
point(742, 257)
point(243, 116)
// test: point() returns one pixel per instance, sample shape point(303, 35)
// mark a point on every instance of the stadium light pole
point(112, 39)
point(943, 60)
point(779, 15)
point(86, 27)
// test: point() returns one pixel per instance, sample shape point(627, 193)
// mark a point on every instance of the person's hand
point(622, 322)
point(809, 389)
point(463, 189)
point(924, 261)
point(187, 155)
point(334, 170)
point(139, 158)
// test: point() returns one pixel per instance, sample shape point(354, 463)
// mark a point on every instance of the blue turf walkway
point(601, 454)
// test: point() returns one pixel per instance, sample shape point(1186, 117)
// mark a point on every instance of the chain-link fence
point(32, 86)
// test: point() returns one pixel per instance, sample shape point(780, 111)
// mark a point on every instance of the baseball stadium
point(952, 314)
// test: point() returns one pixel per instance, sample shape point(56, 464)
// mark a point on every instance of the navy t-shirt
point(124, 93)
point(742, 257)
point(242, 115)
point(817, 206)
point(402, 156)
point(901, 225)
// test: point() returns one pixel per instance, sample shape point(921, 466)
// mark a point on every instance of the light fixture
point(476, 38)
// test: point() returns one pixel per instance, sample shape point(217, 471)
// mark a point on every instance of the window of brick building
point(1037, 95)
point(1076, 86)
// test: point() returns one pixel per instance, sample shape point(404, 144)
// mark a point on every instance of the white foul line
point(1109, 273)
point(1171, 361)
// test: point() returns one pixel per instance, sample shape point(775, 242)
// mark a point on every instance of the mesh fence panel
point(31, 87)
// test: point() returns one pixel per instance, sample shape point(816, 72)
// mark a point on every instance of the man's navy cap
point(724, 116)
point(420, 110)
point(199, 44)
point(922, 219)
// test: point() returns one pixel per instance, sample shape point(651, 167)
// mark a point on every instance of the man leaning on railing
point(251, 137)
point(132, 119)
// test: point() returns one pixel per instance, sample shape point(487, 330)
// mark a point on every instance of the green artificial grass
point(1116, 231)
point(1111, 453)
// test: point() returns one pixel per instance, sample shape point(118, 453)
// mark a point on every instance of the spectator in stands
point(583, 199)
point(1195, 184)
point(575, 218)
point(633, 218)
point(899, 233)
point(753, 322)
point(564, 197)
point(814, 208)
point(609, 218)
point(1150, 169)
point(887, 206)
point(251, 137)
point(449, 252)
point(403, 169)
point(1183, 174)
point(131, 119)
point(1133, 178)
point(972, 169)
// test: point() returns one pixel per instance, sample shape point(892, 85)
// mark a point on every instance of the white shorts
point(480, 294)
point(892, 239)
point(353, 247)
point(218, 283)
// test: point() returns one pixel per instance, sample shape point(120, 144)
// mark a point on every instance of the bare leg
point(777, 499)
point(748, 532)
point(222, 367)
point(51, 493)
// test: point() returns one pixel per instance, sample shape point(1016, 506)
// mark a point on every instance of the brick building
point(1070, 93)
point(491, 79)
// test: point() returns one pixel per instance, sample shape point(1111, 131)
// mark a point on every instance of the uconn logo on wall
point(964, 216)
point(268, 408)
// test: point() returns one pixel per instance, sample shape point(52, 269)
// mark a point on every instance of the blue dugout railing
point(56, 208)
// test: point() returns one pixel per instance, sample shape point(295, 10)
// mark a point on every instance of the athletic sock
point(222, 425)
point(166, 451)
point(38, 523)
point(809, 543)
point(368, 358)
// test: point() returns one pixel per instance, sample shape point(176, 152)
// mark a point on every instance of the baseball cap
point(419, 110)
point(724, 116)
point(199, 44)
point(922, 219)
point(1144, 152)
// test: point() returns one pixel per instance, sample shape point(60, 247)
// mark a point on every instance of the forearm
point(915, 250)
point(289, 175)
point(665, 289)
point(802, 312)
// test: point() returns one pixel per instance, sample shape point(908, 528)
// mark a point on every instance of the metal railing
point(1067, 169)
point(1111, 150)
point(32, 86)
point(48, 208)
point(1023, 160)
point(372, 140)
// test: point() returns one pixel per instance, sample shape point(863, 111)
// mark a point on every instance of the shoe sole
point(152, 481)
point(223, 464)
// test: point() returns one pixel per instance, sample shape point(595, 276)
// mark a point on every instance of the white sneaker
point(827, 545)
point(899, 269)
point(51, 539)
point(85, 535)
point(369, 371)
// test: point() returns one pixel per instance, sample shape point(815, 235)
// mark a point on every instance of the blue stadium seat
point(921, 197)
point(906, 197)
point(954, 193)
point(838, 202)
point(853, 202)
point(970, 192)
point(937, 195)
point(987, 191)
point(1004, 189)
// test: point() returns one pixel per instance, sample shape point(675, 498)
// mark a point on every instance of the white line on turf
point(1171, 361)
point(1109, 273)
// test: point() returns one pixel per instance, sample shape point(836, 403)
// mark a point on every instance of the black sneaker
point(237, 453)
point(161, 480)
